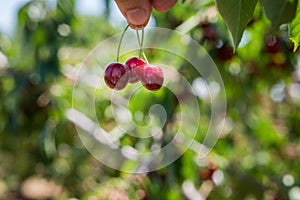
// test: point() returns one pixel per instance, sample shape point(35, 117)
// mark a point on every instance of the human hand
point(137, 12)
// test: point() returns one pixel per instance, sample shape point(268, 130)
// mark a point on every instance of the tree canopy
point(53, 65)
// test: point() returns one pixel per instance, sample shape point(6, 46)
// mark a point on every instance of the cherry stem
point(142, 40)
point(122, 36)
point(141, 43)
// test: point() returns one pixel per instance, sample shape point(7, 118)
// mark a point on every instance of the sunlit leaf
point(237, 14)
point(279, 11)
point(295, 29)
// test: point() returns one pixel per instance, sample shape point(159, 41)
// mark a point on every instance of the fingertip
point(137, 16)
point(163, 5)
point(139, 27)
point(136, 12)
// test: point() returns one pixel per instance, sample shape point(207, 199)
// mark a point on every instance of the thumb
point(136, 12)
point(163, 5)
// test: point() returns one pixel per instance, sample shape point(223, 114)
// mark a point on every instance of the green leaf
point(236, 14)
point(279, 11)
point(295, 29)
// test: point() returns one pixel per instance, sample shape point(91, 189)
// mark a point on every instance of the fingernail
point(136, 16)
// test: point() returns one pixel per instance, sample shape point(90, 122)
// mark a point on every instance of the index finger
point(163, 5)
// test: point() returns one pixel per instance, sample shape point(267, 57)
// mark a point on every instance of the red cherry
point(209, 33)
point(135, 64)
point(207, 174)
point(273, 44)
point(225, 53)
point(116, 76)
point(152, 77)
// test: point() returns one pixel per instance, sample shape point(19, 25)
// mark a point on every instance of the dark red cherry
point(134, 66)
point(152, 77)
point(116, 76)
point(225, 53)
point(207, 174)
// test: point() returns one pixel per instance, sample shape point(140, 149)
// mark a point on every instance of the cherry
point(208, 31)
point(207, 174)
point(135, 65)
point(116, 76)
point(273, 44)
point(225, 53)
point(152, 77)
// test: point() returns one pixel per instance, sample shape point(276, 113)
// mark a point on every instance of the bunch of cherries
point(118, 75)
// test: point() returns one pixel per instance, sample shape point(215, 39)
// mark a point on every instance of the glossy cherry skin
point(116, 76)
point(152, 77)
point(134, 65)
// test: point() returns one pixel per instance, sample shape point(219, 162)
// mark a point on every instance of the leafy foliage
point(295, 29)
point(262, 124)
point(237, 14)
point(279, 11)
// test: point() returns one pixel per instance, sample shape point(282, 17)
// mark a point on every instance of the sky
point(8, 14)
point(9, 9)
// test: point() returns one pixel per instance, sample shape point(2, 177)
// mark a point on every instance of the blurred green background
point(42, 157)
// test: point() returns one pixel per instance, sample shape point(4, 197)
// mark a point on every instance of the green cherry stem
point(122, 36)
point(145, 58)
point(141, 43)
point(142, 40)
